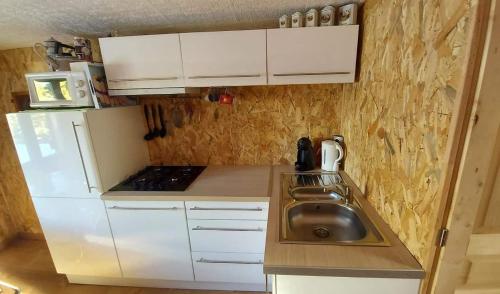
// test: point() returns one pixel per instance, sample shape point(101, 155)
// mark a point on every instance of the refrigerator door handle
point(81, 157)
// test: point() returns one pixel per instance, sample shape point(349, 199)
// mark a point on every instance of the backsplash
point(261, 127)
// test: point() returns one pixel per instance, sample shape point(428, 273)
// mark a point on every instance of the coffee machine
point(305, 155)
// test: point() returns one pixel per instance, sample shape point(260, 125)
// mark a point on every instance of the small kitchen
point(276, 147)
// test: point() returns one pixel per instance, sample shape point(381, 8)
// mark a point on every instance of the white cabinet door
point(55, 153)
point(290, 284)
point(151, 239)
point(229, 267)
point(228, 58)
point(78, 235)
point(312, 55)
point(150, 61)
point(228, 235)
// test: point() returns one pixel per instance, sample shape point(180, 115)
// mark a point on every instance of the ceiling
point(25, 22)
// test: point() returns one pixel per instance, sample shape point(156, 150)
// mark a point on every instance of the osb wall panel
point(16, 209)
point(261, 127)
point(396, 118)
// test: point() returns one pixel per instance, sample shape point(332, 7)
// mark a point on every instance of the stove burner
point(161, 178)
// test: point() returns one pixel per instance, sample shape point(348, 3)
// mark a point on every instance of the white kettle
point(331, 155)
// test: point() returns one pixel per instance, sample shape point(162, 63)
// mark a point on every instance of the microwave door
point(52, 90)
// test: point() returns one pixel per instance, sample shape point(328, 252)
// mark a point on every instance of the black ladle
point(163, 130)
point(150, 135)
point(156, 130)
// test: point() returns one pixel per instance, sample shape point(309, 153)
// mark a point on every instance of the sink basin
point(315, 213)
point(316, 193)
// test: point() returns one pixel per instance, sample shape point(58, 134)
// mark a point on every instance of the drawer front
point(227, 235)
point(227, 210)
point(229, 267)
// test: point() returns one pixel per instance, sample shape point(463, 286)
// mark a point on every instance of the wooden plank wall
point(17, 214)
point(397, 117)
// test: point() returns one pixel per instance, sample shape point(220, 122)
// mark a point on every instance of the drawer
point(227, 210)
point(144, 205)
point(229, 267)
point(227, 235)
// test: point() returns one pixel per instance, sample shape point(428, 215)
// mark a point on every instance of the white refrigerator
point(69, 158)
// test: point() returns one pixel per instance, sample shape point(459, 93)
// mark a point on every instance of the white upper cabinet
point(312, 55)
point(228, 58)
point(150, 61)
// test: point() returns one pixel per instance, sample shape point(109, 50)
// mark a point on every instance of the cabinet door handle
point(225, 76)
point(311, 73)
point(203, 260)
point(143, 208)
point(144, 79)
point(81, 156)
point(200, 228)
point(227, 209)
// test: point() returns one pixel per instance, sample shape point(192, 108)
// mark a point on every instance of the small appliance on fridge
point(83, 86)
point(69, 158)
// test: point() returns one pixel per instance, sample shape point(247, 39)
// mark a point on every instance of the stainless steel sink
point(316, 193)
point(315, 213)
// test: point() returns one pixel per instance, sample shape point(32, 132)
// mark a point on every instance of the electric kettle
point(331, 155)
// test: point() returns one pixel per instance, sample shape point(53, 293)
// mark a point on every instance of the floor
point(27, 265)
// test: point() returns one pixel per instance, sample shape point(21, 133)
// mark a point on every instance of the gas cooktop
point(161, 178)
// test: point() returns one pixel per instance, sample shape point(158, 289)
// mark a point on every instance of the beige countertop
point(394, 261)
point(216, 183)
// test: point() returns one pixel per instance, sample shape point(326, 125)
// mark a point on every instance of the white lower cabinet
point(228, 241)
point(78, 235)
point(291, 284)
point(229, 267)
point(151, 239)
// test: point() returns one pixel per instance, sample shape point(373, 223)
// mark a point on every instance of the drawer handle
point(225, 76)
point(143, 208)
point(144, 79)
point(226, 209)
point(199, 228)
point(203, 260)
point(311, 73)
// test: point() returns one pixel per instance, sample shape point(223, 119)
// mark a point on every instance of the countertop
point(394, 261)
point(215, 183)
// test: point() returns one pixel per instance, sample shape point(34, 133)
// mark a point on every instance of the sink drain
point(321, 232)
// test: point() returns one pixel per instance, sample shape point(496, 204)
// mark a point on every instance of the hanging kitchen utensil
point(149, 136)
point(213, 95)
point(163, 130)
point(156, 129)
point(177, 117)
point(226, 98)
point(189, 108)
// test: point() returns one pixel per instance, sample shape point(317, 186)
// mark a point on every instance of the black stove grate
point(161, 178)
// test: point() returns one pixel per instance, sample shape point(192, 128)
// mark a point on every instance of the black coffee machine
point(305, 155)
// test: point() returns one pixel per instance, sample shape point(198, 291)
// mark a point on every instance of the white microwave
point(59, 89)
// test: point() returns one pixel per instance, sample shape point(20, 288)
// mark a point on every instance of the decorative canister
point(348, 14)
point(312, 18)
point(284, 21)
point(327, 17)
point(297, 20)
